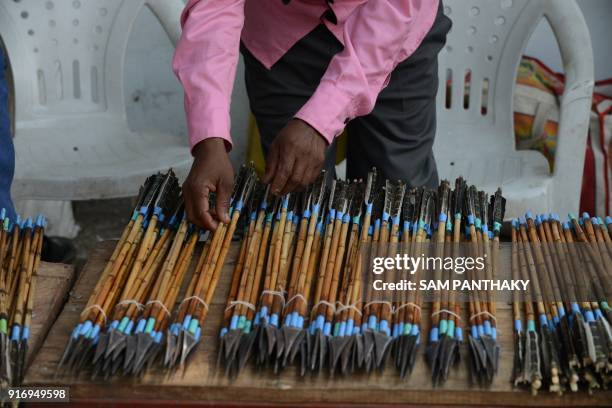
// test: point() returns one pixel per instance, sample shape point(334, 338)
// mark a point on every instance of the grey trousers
point(396, 137)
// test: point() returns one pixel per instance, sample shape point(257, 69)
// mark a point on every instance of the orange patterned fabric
point(534, 75)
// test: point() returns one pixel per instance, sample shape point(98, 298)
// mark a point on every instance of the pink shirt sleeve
point(205, 62)
point(377, 36)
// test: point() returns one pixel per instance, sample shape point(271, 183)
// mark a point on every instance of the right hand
point(211, 171)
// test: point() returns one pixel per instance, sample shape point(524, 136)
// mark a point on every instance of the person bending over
point(312, 69)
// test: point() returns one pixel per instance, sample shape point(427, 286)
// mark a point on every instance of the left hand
point(295, 159)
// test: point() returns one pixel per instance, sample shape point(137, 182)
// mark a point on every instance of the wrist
point(311, 129)
point(208, 146)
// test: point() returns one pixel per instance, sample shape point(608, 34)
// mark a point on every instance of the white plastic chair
point(476, 138)
point(72, 139)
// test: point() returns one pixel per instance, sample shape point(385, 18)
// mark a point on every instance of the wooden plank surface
point(54, 282)
point(203, 383)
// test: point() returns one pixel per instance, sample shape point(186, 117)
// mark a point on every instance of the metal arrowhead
point(413, 355)
point(101, 347)
point(475, 360)
point(232, 340)
point(368, 352)
point(231, 351)
point(176, 356)
point(75, 352)
point(399, 348)
point(358, 351)
point(439, 359)
point(381, 348)
point(280, 343)
point(449, 357)
point(85, 355)
point(131, 343)
point(408, 350)
point(309, 341)
point(20, 363)
point(14, 355)
point(5, 366)
point(323, 350)
point(481, 351)
point(170, 350)
point(97, 369)
point(295, 346)
point(319, 351)
point(270, 333)
point(245, 348)
point(496, 360)
point(143, 345)
point(346, 358)
point(115, 337)
point(431, 353)
point(156, 349)
point(290, 336)
point(489, 347)
point(261, 343)
point(221, 352)
point(304, 355)
point(313, 356)
point(65, 356)
point(188, 344)
point(116, 363)
point(336, 348)
point(107, 366)
point(118, 352)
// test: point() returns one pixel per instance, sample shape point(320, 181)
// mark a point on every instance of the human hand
point(211, 171)
point(295, 159)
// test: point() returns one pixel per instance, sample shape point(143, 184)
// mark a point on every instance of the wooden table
point(54, 282)
point(202, 382)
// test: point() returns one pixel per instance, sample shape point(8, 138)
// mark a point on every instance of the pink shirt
point(377, 35)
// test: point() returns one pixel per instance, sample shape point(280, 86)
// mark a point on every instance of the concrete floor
point(100, 220)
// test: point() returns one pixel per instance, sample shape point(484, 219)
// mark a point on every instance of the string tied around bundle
point(158, 302)
point(294, 297)
point(379, 302)
point(279, 293)
point(403, 305)
point(95, 307)
point(340, 307)
point(134, 302)
point(199, 299)
point(483, 313)
point(235, 303)
point(446, 311)
point(326, 303)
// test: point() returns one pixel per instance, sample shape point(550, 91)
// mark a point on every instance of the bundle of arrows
point(297, 287)
point(20, 248)
point(567, 341)
point(134, 316)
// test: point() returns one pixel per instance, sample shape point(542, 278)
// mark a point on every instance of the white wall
point(155, 98)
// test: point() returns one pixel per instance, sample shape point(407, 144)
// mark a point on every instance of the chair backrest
point(67, 56)
point(477, 70)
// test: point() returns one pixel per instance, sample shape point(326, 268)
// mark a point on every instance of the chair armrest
point(571, 30)
point(168, 12)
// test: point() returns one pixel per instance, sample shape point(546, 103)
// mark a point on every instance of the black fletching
point(459, 196)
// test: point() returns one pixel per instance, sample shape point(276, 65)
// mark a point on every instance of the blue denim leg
point(7, 150)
